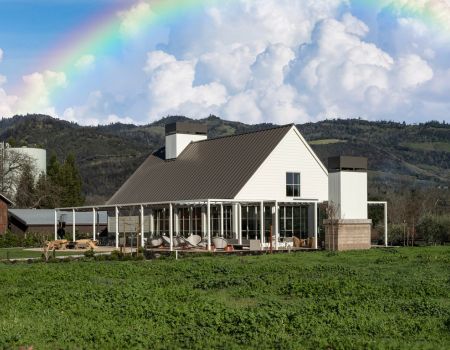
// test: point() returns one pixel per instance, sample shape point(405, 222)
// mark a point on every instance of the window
point(293, 184)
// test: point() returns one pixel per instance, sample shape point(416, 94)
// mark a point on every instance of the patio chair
point(193, 240)
point(155, 242)
point(219, 242)
point(166, 241)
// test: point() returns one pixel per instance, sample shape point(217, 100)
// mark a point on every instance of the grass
point(326, 141)
point(378, 299)
point(22, 253)
point(429, 146)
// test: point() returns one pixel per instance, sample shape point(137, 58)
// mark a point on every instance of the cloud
point(132, 18)
point(7, 102)
point(261, 61)
point(38, 87)
point(94, 111)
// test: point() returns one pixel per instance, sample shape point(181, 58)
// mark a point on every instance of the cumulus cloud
point(7, 102)
point(38, 87)
point(94, 111)
point(264, 60)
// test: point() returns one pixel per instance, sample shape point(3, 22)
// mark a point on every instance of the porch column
point(315, 226)
point(176, 221)
point(117, 227)
point(203, 213)
point(93, 223)
point(261, 221)
point(73, 225)
point(190, 219)
point(56, 225)
point(275, 226)
point(385, 225)
point(221, 220)
point(208, 223)
point(152, 223)
point(142, 226)
point(235, 215)
point(171, 226)
point(239, 223)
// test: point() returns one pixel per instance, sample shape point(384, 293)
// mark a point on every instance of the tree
point(64, 182)
point(12, 164)
point(25, 194)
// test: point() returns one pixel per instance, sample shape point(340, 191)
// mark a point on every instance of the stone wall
point(347, 234)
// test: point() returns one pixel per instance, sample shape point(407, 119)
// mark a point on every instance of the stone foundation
point(347, 234)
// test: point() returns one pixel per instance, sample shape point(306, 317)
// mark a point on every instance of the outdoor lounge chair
point(155, 242)
point(166, 241)
point(193, 240)
point(219, 242)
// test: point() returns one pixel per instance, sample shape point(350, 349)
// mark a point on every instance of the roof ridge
point(247, 132)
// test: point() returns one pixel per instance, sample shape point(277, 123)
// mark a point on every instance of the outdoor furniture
point(219, 242)
point(193, 240)
point(155, 242)
point(166, 241)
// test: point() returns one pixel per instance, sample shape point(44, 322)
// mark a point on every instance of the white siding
point(292, 154)
point(348, 192)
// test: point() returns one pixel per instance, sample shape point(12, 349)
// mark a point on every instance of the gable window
point(292, 184)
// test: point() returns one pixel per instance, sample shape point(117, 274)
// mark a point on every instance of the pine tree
point(25, 195)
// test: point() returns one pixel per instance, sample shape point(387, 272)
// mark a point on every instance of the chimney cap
point(347, 163)
point(186, 128)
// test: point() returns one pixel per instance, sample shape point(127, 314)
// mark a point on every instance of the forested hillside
point(400, 155)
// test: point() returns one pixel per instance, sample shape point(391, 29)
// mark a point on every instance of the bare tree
point(12, 164)
point(332, 213)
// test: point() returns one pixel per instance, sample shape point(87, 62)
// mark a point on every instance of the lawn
point(378, 299)
point(21, 253)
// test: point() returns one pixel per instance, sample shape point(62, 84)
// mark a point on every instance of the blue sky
point(256, 61)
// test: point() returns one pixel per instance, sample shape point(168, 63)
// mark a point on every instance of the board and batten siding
point(292, 154)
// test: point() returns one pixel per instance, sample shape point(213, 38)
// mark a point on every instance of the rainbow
point(103, 33)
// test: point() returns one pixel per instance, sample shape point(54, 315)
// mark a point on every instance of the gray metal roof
point(32, 217)
point(214, 168)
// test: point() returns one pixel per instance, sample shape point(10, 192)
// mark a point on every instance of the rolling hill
point(400, 155)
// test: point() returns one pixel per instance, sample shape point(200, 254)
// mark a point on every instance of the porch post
point(93, 223)
point(142, 226)
point(261, 221)
point(221, 220)
point(385, 225)
point(152, 224)
point(56, 225)
point(204, 221)
point(208, 223)
point(235, 220)
point(239, 223)
point(276, 225)
point(190, 219)
point(176, 221)
point(171, 226)
point(73, 225)
point(117, 227)
point(315, 226)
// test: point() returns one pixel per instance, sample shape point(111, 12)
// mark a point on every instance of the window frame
point(291, 187)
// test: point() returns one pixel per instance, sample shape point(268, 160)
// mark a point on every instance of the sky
point(280, 61)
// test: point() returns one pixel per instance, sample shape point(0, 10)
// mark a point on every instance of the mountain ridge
point(400, 155)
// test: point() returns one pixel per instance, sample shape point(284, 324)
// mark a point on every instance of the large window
point(293, 184)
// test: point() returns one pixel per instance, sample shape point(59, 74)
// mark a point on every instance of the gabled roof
point(214, 168)
point(6, 199)
point(46, 217)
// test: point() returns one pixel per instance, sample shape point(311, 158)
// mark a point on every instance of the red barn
point(4, 204)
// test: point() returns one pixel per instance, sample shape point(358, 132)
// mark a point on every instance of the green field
point(379, 299)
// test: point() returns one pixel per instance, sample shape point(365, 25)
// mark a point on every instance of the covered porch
point(247, 224)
